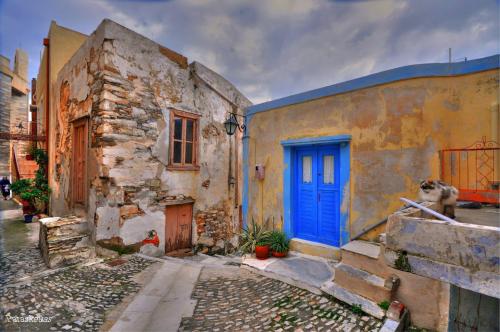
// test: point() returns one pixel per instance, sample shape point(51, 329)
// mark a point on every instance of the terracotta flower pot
point(27, 207)
point(262, 252)
point(280, 254)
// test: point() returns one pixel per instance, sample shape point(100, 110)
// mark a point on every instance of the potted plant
point(279, 243)
point(30, 152)
point(255, 239)
point(262, 249)
point(34, 193)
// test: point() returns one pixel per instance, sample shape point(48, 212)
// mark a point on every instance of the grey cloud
point(274, 48)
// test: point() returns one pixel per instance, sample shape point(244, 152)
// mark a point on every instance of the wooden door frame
point(77, 123)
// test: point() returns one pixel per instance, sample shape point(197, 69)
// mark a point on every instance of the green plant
point(384, 305)
point(253, 235)
point(278, 241)
point(356, 308)
point(35, 191)
point(402, 263)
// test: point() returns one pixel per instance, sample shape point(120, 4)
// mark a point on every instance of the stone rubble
point(65, 241)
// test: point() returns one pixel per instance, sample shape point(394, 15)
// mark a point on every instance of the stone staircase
point(362, 277)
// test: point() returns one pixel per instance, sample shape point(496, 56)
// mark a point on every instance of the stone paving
point(243, 301)
point(73, 299)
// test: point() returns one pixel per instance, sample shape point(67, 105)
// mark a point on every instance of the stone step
point(362, 283)
point(365, 256)
point(345, 295)
point(364, 248)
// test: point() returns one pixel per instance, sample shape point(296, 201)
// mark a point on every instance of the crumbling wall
point(135, 85)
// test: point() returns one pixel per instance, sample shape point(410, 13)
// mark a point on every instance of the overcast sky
point(274, 48)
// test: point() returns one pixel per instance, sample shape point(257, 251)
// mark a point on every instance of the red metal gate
point(474, 170)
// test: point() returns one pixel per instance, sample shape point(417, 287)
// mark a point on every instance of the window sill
point(182, 168)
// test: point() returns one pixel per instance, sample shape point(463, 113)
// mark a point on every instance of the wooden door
point(178, 220)
point(79, 162)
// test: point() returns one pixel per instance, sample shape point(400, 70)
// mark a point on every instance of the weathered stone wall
point(13, 107)
point(127, 85)
point(5, 97)
point(461, 254)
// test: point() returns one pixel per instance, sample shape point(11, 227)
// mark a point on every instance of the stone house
point(14, 110)
point(361, 144)
point(138, 145)
point(332, 164)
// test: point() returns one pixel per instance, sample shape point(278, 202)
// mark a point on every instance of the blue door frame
point(291, 148)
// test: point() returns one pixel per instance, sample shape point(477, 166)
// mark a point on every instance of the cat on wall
point(438, 191)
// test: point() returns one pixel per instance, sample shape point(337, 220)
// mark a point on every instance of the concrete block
point(344, 295)
point(362, 283)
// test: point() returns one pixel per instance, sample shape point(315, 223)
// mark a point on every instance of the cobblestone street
point(238, 300)
point(74, 299)
point(85, 298)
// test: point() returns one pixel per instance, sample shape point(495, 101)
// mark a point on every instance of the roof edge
point(384, 77)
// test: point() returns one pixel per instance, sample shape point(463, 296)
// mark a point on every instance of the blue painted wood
point(328, 198)
point(307, 212)
point(317, 204)
point(289, 181)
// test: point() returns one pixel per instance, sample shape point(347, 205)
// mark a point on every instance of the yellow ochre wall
point(397, 130)
point(63, 43)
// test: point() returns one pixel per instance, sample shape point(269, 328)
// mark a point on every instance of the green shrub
point(278, 241)
point(253, 235)
point(356, 308)
point(35, 191)
point(384, 305)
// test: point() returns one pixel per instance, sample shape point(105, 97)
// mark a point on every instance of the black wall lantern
point(232, 123)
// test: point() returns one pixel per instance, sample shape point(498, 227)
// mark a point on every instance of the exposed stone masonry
point(127, 86)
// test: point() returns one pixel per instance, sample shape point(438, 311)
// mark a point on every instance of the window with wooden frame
point(183, 141)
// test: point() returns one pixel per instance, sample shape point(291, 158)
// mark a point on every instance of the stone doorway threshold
point(300, 270)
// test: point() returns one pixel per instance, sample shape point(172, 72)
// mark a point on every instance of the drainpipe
point(46, 43)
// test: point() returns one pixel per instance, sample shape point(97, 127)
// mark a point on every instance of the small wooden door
point(79, 162)
point(178, 220)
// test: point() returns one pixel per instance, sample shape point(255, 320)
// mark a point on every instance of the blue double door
point(317, 194)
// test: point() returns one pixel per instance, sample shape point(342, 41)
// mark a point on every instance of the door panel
point(184, 221)
point(178, 221)
point(328, 196)
point(79, 160)
point(306, 227)
point(317, 207)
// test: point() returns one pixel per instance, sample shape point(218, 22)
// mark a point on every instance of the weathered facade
point(14, 100)
point(59, 46)
point(385, 132)
point(138, 142)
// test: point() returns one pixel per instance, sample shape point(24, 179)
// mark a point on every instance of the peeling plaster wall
point(397, 130)
point(128, 84)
